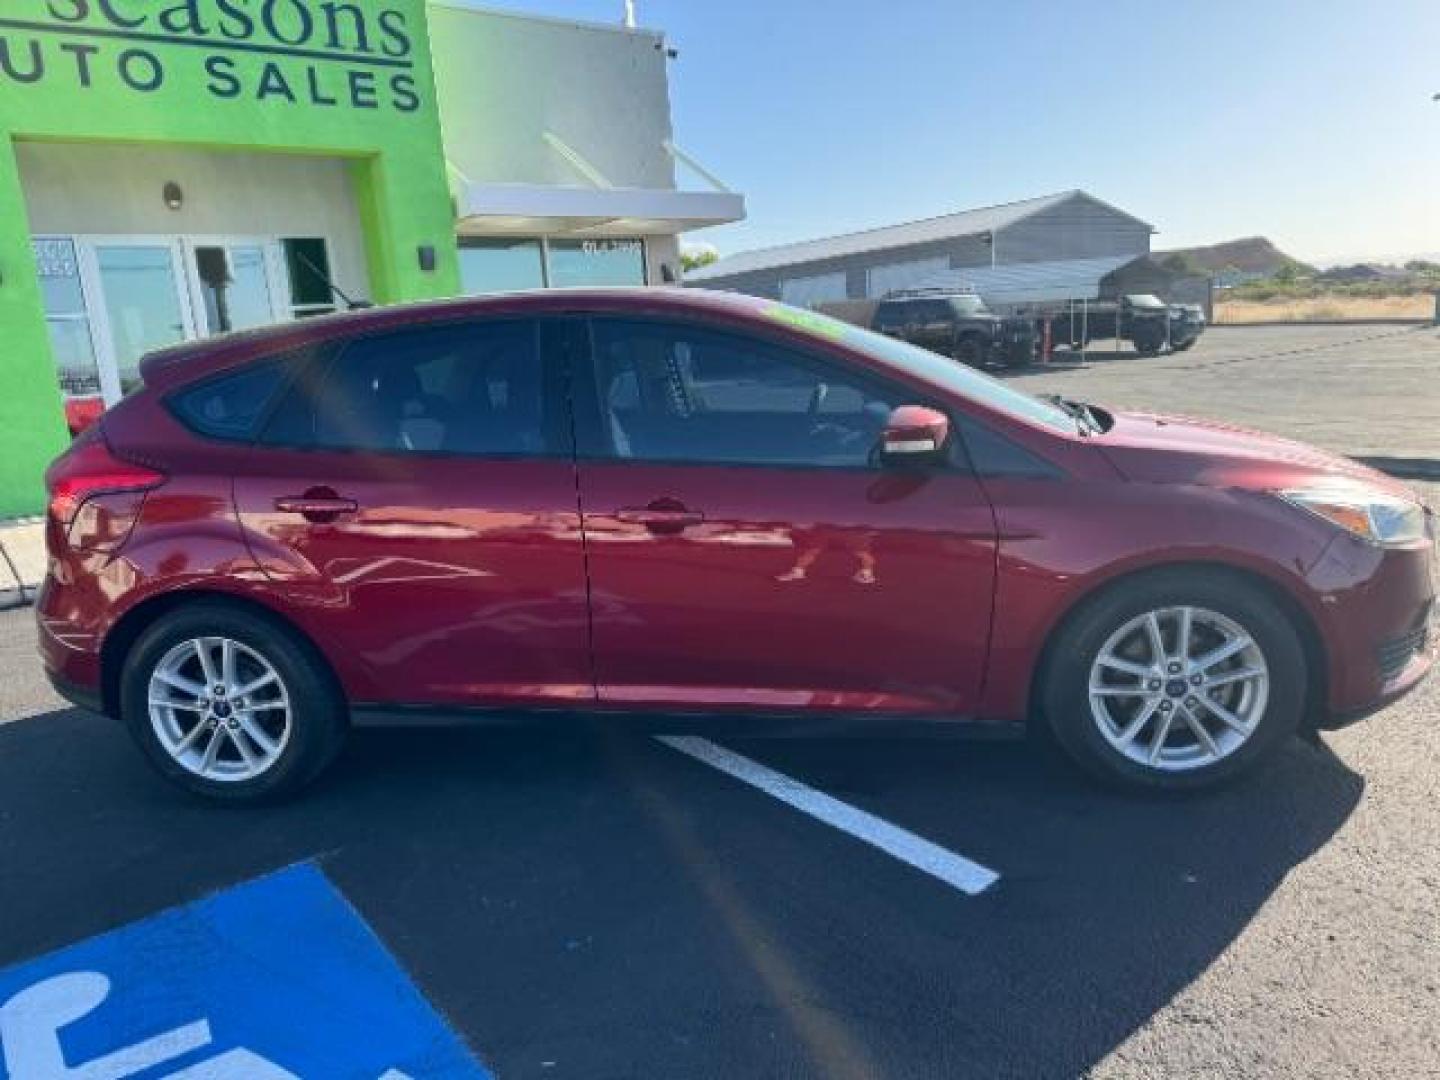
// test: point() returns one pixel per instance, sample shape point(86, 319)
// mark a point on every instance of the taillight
point(89, 477)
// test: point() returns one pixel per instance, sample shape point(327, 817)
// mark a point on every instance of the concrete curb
point(21, 560)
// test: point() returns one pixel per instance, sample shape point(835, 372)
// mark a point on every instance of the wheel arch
point(1312, 642)
point(121, 637)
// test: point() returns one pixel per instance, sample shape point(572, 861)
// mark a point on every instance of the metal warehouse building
point(1069, 242)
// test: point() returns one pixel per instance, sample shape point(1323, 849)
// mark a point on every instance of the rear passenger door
point(412, 498)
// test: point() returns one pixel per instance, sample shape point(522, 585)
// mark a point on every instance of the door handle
point(318, 507)
point(660, 519)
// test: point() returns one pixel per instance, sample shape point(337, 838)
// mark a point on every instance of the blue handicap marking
point(275, 979)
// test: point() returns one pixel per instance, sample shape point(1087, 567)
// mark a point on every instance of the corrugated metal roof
point(946, 227)
point(1033, 283)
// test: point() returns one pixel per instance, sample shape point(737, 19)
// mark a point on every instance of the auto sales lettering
point(353, 54)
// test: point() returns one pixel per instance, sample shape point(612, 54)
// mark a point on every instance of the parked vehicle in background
point(659, 502)
point(1187, 323)
point(1140, 318)
point(958, 324)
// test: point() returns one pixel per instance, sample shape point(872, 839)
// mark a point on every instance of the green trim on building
point(349, 80)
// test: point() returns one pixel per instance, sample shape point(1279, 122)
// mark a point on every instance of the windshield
point(969, 305)
point(932, 367)
point(1144, 300)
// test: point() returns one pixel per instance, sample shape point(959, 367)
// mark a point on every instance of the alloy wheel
point(1178, 688)
point(220, 709)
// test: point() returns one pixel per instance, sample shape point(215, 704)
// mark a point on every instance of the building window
point(596, 262)
point(813, 289)
point(488, 266)
point(308, 261)
point(67, 318)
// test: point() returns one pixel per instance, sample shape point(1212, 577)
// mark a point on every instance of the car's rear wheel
point(1175, 681)
point(229, 704)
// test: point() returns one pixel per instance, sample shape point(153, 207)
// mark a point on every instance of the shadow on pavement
point(616, 909)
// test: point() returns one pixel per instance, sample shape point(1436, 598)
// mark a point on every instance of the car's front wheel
point(1175, 680)
point(229, 704)
point(970, 351)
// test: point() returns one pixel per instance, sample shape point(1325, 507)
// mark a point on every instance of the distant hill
point(1253, 256)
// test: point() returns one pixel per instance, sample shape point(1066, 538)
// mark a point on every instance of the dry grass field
point(1325, 308)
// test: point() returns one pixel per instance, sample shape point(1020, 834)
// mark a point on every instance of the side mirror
point(914, 433)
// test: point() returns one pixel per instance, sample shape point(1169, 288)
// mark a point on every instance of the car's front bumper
point(1379, 621)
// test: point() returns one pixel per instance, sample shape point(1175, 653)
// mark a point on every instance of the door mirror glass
point(914, 433)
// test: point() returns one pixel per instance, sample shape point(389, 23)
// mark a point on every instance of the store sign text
point(315, 53)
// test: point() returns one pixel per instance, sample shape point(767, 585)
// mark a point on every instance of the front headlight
point(1373, 516)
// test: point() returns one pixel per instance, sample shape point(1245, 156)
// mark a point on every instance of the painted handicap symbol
point(30, 1024)
point(219, 990)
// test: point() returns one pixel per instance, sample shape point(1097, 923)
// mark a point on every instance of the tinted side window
point(463, 388)
point(667, 392)
point(231, 406)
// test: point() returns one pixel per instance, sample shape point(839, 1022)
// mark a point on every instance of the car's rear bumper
point(84, 697)
point(69, 638)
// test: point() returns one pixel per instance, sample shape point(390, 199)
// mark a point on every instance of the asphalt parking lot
point(1367, 390)
point(582, 904)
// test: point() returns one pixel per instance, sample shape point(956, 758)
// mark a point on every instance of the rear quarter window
point(231, 406)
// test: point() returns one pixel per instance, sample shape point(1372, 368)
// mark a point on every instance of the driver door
point(744, 548)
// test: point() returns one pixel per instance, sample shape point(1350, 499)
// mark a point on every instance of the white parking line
point(969, 877)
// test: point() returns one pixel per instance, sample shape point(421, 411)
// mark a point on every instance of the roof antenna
point(629, 14)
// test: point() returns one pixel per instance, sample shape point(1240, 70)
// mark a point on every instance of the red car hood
point(1180, 449)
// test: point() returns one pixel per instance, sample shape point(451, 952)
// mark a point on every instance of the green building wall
point(338, 79)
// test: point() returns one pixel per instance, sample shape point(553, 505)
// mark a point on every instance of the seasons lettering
point(339, 25)
point(320, 53)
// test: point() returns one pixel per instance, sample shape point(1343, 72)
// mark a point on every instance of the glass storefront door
point(142, 308)
point(233, 284)
point(109, 300)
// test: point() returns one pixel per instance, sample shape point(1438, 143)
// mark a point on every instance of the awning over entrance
point(547, 209)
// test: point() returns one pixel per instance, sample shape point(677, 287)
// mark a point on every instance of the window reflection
point(597, 262)
point(488, 266)
point(233, 288)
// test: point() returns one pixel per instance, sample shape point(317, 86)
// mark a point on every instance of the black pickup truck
point(1145, 321)
point(956, 323)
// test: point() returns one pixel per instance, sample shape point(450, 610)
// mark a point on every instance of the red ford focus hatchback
point(655, 503)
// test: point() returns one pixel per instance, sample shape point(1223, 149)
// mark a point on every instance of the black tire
point(1063, 692)
point(1186, 345)
point(1148, 346)
point(970, 351)
point(318, 716)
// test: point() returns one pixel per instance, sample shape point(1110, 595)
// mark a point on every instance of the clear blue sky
point(1308, 121)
